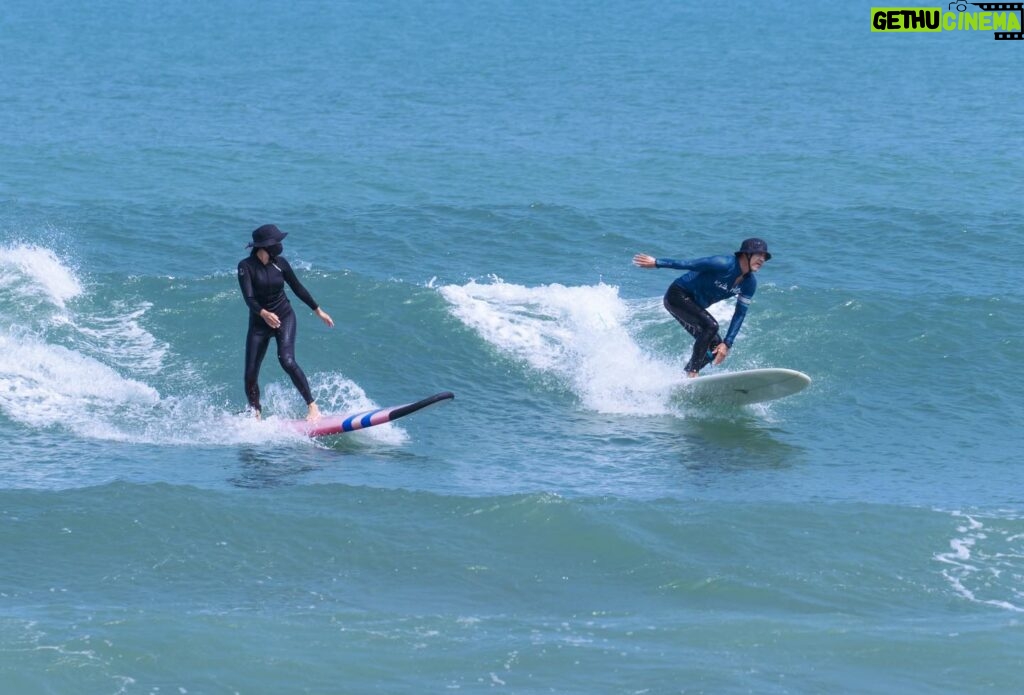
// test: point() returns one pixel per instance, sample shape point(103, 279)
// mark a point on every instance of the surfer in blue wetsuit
point(710, 280)
point(262, 276)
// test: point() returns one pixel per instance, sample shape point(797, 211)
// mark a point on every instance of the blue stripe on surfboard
point(366, 420)
point(358, 421)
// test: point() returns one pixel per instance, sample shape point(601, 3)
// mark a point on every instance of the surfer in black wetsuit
point(262, 276)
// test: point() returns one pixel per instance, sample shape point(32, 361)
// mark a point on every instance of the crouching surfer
point(710, 280)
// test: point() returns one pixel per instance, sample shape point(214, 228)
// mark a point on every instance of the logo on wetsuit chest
point(726, 288)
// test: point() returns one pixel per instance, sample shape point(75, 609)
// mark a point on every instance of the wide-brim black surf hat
point(267, 235)
point(755, 245)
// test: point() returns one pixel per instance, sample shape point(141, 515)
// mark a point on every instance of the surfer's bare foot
point(693, 375)
point(314, 412)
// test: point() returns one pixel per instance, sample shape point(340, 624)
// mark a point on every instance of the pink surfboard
point(338, 424)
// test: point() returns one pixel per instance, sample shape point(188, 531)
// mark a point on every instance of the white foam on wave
point(35, 272)
point(46, 385)
point(82, 371)
point(31, 269)
point(582, 335)
point(985, 564)
point(38, 287)
point(120, 338)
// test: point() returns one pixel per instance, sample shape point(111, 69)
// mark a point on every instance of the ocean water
point(464, 185)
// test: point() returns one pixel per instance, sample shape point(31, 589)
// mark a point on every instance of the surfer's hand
point(325, 317)
point(642, 260)
point(271, 318)
point(721, 351)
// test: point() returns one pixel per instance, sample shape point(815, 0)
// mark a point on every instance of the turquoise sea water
point(464, 185)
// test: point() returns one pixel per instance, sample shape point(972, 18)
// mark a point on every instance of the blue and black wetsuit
point(263, 288)
point(710, 280)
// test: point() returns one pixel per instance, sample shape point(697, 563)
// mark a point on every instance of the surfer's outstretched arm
point(710, 264)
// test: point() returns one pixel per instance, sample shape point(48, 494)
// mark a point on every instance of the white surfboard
point(743, 388)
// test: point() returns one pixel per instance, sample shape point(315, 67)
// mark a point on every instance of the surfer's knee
point(709, 333)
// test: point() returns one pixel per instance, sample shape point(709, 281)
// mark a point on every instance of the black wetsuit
point(263, 288)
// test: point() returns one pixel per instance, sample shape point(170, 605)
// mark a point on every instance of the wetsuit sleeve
point(743, 300)
point(737, 320)
point(248, 292)
point(701, 265)
point(293, 282)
